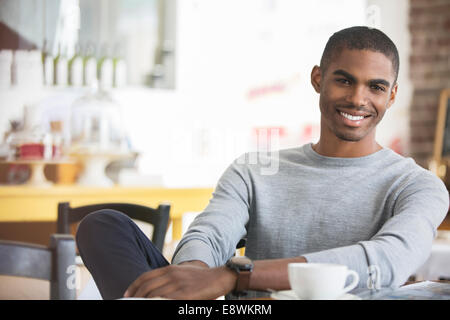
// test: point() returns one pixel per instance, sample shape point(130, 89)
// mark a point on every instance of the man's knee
point(94, 224)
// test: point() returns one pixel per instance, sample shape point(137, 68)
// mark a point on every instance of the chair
point(51, 263)
point(241, 244)
point(159, 217)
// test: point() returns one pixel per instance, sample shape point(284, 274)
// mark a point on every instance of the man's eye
point(378, 88)
point(343, 81)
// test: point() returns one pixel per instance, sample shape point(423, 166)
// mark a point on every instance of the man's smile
point(353, 118)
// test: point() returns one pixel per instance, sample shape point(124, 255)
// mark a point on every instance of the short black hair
point(360, 38)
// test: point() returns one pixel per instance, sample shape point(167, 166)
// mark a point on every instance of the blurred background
point(195, 81)
point(163, 94)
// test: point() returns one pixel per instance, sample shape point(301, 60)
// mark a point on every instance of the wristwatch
point(243, 266)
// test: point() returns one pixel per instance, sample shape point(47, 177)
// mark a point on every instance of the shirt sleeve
point(404, 242)
point(213, 235)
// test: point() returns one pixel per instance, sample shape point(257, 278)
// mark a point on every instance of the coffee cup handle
point(354, 283)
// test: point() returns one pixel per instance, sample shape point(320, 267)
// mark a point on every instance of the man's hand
point(184, 281)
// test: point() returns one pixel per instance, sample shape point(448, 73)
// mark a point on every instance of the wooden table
point(34, 205)
point(445, 225)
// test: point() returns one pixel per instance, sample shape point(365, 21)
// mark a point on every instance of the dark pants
point(115, 251)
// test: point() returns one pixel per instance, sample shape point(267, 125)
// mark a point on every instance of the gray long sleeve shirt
point(379, 210)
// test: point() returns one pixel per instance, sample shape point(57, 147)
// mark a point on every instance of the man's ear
point(393, 95)
point(316, 77)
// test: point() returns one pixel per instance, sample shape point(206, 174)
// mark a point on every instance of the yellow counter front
point(39, 204)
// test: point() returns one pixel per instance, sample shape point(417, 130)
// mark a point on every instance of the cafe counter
point(29, 213)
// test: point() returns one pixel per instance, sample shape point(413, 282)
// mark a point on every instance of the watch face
point(242, 263)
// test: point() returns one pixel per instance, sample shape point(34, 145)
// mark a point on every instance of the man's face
point(355, 90)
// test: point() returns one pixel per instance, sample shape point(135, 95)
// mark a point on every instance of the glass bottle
point(47, 64)
point(60, 65)
point(90, 66)
point(105, 69)
point(120, 68)
point(76, 68)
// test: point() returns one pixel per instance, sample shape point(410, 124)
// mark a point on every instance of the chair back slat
point(63, 284)
point(159, 232)
point(159, 217)
point(55, 263)
point(25, 260)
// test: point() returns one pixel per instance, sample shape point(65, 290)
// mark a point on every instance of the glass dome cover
point(96, 125)
point(31, 144)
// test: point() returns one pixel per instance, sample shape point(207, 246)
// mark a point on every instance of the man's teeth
point(350, 117)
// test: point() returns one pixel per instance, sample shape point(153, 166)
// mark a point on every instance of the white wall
point(247, 64)
point(229, 49)
point(241, 65)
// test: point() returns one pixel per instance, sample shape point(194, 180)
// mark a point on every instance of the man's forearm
point(272, 274)
point(197, 263)
point(267, 274)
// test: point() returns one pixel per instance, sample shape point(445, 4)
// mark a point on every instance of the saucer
point(290, 295)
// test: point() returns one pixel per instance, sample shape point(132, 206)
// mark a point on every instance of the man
point(344, 200)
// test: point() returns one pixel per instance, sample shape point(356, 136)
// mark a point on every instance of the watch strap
point(243, 281)
point(243, 267)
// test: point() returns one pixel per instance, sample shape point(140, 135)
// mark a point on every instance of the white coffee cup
point(320, 281)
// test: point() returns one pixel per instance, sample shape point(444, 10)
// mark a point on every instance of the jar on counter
point(32, 144)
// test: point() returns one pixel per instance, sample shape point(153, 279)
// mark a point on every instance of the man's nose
point(357, 96)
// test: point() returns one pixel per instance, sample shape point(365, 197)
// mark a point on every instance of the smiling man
point(345, 199)
point(357, 82)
